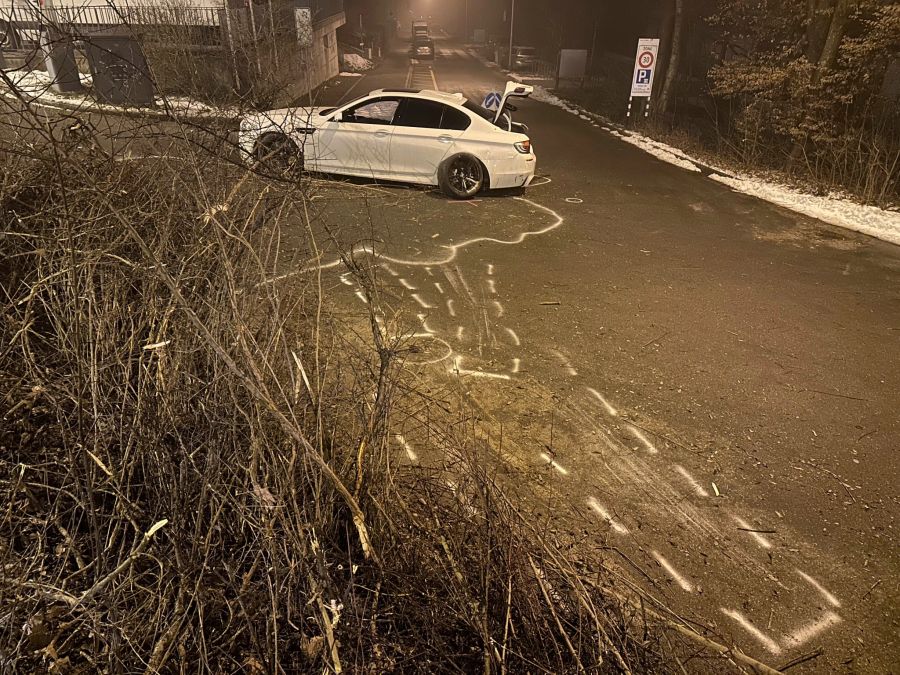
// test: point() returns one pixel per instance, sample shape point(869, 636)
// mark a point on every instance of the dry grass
point(196, 462)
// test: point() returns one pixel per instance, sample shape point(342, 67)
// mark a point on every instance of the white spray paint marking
point(565, 362)
point(612, 411)
point(833, 601)
point(345, 280)
point(516, 363)
point(698, 489)
point(613, 523)
point(459, 332)
point(492, 286)
point(512, 334)
point(361, 296)
point(408, 286)
point(458, 370)
point(761, 540)
point(406, 446)
point(680, 580)
point(807, 633)
point(490, 269)
point(452, 250)
point(437, 285)
point(389, 269)
point(450, 307)
point(418, 298)
point(499, 307)
point(643, 439)
point(761, 637)
point(554, 464)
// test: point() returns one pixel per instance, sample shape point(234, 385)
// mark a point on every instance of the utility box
point(59, 57)
point(119, 68)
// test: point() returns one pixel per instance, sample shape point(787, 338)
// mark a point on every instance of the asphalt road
point(708, 383)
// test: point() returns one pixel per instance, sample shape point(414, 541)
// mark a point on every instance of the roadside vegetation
point(197, 466)
point(806, 91)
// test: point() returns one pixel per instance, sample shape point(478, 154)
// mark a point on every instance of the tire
point(461, 176)
point(278, 155)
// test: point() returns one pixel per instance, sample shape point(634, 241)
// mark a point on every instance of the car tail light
point(524, 147)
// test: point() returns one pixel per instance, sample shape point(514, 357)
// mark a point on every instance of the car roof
point(430, 94)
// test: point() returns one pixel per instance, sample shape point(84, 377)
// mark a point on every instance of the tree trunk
point(667, 96)
point(826, 61)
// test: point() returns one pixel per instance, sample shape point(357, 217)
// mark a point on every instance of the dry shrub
point(196, 468)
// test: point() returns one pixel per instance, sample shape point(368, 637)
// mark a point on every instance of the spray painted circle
point(574, 200)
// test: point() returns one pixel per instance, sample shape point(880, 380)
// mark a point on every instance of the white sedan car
point(425, 137)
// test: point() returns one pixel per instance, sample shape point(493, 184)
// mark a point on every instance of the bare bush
point(197, 474)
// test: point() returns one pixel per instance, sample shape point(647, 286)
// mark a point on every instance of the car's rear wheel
point(278, 155)
point(461, 176)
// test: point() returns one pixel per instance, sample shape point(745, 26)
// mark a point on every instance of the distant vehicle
point(524, 58)
point(422, 48)
point(419, 28)
point(413, 136)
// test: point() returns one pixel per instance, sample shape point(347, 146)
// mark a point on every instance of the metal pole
point(512, 25)
point(647, 108)
point(628, 114)
point(466, 36)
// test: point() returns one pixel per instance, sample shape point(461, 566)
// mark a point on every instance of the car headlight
point(524, 147)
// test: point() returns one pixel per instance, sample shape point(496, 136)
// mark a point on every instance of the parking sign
point(644, 67)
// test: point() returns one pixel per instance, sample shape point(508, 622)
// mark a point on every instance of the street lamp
point(512, 25)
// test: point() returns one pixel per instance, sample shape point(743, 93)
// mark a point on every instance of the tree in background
point(804, 80)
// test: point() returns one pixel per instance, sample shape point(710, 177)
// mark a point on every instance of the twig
point(828, 393)
point(802, 659)
point(750, 529)
point(659, 337)
point(871, 588)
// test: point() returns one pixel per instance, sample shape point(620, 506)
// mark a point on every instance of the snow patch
point(831, 209)
point(356, 63)
point(34, 87)
point(660, 150)
point(345, 74)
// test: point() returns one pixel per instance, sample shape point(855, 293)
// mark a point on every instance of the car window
point(380, 111)
point(421, 114)
point(455, 119)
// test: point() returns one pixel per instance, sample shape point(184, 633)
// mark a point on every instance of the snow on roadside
point(34, 86)
point(356, 63)
point(832, 209)
point(349, 74)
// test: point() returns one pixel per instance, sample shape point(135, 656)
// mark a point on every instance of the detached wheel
point(278, 155)
point(461, 176)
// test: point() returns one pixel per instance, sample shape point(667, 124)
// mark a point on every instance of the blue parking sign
point(643, 76)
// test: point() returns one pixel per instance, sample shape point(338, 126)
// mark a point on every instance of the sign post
point(644, 69)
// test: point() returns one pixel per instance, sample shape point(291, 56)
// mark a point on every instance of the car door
point(425, 132)
point(357, 140)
